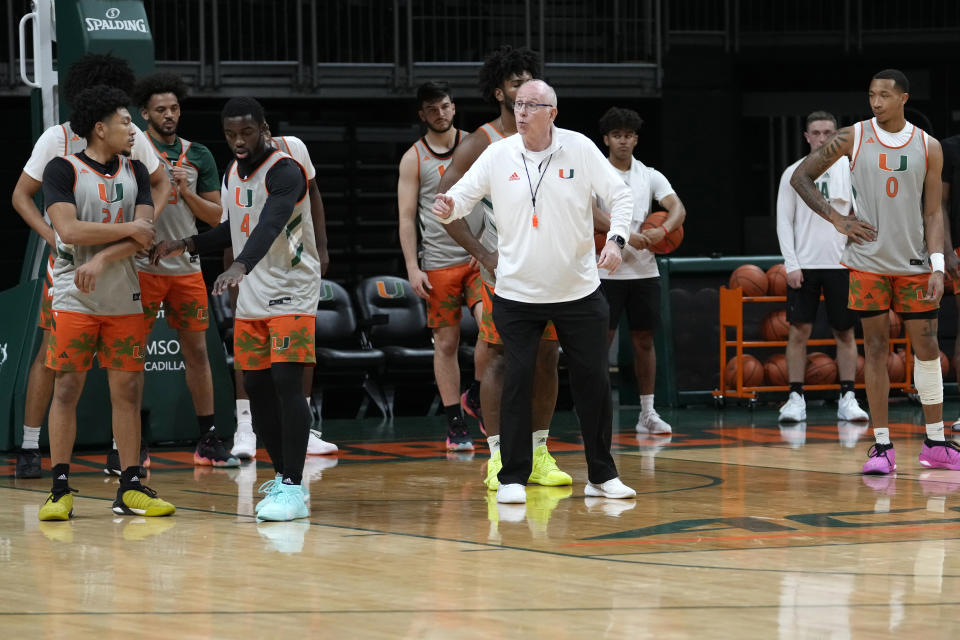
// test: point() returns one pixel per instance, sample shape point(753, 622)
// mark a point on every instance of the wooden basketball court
point(739, 530)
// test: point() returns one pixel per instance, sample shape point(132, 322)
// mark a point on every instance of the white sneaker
point(956, 425)
point(795, 409)
point(244, 445)
point(608, 507)
point(848, 409)
point(651, 422)
point(317, 446)
point(612, 488)
point(514, 493)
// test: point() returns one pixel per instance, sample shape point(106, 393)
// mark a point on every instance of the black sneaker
point(458, 436)
point(471, 406)
point(28, 464)
point(211, 452)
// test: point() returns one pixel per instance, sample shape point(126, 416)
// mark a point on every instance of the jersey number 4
point(245, 224)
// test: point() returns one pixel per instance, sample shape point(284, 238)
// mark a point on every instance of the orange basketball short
point(118, 342)
point(184, 299)
point(452, 288)
point(876, 292)
point(45, 321)
point(259, 343)
point(488, 331)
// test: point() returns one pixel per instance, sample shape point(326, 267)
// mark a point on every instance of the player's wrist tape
point(936, 261)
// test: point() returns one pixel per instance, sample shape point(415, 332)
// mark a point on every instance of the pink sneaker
point(473, 410)
point(940, 455)
point(882, 459)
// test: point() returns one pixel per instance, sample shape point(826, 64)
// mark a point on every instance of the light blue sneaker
point(285, 503)
point(270, 487)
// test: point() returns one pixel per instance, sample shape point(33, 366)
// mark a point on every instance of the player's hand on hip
point(934, 287)
point(610, 257)
point(142, 232)
point(490, 262)
point(86, 275)
point(858, 231)
point(420, 283)
point(795, 278)
point(229, 278)
point(442, 206)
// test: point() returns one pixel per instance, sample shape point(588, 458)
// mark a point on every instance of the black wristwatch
point(621, 242)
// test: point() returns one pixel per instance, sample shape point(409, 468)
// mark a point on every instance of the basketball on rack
point(896, 366)
point(775, 369)
point(896, 325)
point(861, 361)
point(750, 278)
point(775, 326)
point(670, 241)
point(821, 369)
point(752, 372)
point(777, 280)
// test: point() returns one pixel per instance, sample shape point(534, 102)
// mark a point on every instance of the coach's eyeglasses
point(532, 107)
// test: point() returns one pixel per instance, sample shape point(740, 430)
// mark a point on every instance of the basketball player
point(951, 230)
point(503, 73)
point(176, 282)
point(895, 263)
point(244, 440)
point(99, 203)
point(265, 193)
point(446, 280)
point(811, 249)
point(62, 140)
point(635, 286)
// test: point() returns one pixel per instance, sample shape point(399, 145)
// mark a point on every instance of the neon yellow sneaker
point(142, 501)
point(57, 507)
point(541, 501)
point(545, 470)
point(493, 468)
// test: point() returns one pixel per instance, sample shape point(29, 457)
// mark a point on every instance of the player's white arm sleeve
point(660, 186)
point(786, 213)
point(471, 188)
point(298, 149)
point(611, 188)
point(49, 145)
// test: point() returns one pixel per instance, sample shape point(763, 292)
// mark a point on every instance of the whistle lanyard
point(534, 192)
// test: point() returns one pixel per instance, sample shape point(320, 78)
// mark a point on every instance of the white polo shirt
point(547, 254)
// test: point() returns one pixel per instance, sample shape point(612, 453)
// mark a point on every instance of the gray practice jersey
point(439, 249)
point(287, 280)
point(100, 199)
point(888, 191)
point(176, 220)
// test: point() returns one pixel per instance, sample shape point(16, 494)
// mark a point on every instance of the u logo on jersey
point(566, 174)
point(249, 198)
point(885, 167)
point(383, 293)
point(118, 192)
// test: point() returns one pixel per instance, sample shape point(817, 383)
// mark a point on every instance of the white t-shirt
point(546, 255)
point(897, 139)
point(645, 182)
point(52, 143)
point(807, 241)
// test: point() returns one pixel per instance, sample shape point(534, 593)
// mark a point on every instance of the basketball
point(671, 241)
point(861, 361)
point(896, 366)
point(750, 278)
point(752, 372)
point(896, 326)
point(775, 369)
point(777, 280)
point(599, 239)
point(944, 364)
point(821, 369)
point(775, 326)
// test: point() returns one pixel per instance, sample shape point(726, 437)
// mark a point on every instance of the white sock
point(244, 417)
point(882, 435)
point(31, 437)
point(308, 402)
point(540, 438)
point(646, 404)
point(494, 443)
point(114, 445)
point(935, 431)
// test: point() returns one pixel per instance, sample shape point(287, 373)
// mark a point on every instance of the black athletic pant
point(582, 330)
point(280, 414)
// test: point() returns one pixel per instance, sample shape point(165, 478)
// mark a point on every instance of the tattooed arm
point(932, 217)
point(812, 168)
